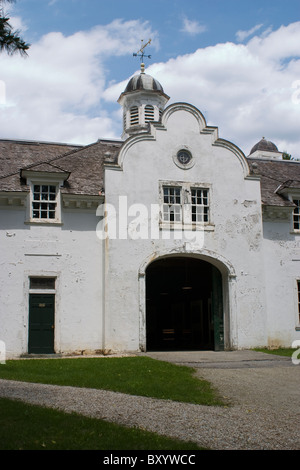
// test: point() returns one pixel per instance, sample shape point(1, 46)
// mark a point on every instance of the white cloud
point(242, 35)
point(17, 23)
point(60, 92)
point(247, 90)
point(192, 27)
point(51, 94)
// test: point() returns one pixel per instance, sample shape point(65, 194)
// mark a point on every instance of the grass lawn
point(133, 375)
point(279, 352)
point(24, 426)
point(30, 427)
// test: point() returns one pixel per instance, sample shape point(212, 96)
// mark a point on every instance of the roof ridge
point(78, 150)
point(62, 155)
point(32, 165)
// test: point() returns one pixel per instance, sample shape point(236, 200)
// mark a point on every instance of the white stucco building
point(170, 238)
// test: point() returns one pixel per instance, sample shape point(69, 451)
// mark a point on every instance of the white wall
point(72, 253)
point(236, 239)
point(100, 287)
point(282, 266)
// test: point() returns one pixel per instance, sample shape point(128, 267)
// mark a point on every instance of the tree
point(10, 41)
point(286, 156)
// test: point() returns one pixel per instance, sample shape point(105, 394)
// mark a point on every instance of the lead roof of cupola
point(143, 81)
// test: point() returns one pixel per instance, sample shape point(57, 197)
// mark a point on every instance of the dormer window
point(44, 201)
point(290, 190)
point(44, 181)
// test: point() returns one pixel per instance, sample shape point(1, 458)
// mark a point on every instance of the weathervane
point(141, 53)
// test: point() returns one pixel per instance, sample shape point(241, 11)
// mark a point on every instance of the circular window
point(184, 159)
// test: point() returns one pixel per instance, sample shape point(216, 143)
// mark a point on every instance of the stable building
point(170, 238)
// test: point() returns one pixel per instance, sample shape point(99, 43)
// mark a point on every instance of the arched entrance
point(184, 305)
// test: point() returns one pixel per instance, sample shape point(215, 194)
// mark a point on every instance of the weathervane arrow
point(141, 53)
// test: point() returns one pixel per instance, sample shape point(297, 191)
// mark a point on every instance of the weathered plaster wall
point(100, 287)
point(72, 253)
point(282, 267)
point(235, 234)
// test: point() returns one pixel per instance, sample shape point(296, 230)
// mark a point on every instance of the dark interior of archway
point(179, 305)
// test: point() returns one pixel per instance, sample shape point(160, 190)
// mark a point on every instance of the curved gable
point(186, 119)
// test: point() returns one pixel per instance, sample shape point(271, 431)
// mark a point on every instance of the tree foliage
point(10, 40)
point(286, 156)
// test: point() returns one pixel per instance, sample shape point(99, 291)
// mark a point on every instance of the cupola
point(143, 101)
point(266, 150)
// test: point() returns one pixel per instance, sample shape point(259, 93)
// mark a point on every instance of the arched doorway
point(184, 305)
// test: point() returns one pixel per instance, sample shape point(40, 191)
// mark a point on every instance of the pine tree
point(10, 41)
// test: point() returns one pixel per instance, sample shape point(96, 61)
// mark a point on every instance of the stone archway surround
point(229, 291)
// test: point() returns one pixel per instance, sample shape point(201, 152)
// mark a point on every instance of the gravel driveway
point(263, 392)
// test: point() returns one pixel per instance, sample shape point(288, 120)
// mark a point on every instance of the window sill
point(207, 227)
point(43, 222)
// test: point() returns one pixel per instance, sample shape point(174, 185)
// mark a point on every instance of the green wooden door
point(217, 309)
point(41, 323)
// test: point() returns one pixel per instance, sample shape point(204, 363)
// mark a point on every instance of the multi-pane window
point(185, 204)
point(199, 205)
point(172, 211)
point(44, 202)
point(296, 214)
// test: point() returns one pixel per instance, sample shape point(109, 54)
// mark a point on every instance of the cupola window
point(134, 115)
point(149, 113)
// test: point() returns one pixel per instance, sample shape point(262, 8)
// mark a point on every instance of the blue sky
point(238, 61)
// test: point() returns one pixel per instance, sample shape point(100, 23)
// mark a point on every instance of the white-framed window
point(200, 207)
point(172, 204)
point(44, 283)
point(296, 214)
point(44, 202)
point(185, 204)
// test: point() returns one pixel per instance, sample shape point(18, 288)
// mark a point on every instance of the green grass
point(31, 427)
point(279, 352)
point(133, 375)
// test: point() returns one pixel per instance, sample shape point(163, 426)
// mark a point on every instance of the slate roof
point(84, 163)
point(274, 175)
